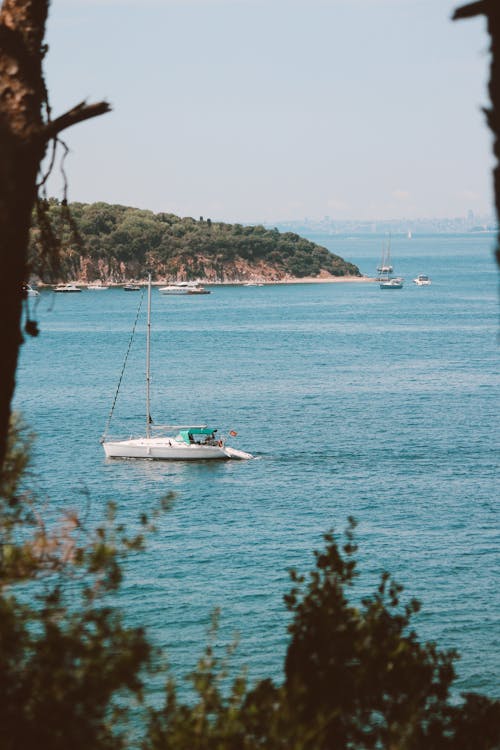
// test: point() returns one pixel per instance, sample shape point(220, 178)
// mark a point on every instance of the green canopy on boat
point(184, 434)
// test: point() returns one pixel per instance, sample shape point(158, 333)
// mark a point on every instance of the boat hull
point(184, 287)
point(392, 284)
point(174, 292)
point(170, 450)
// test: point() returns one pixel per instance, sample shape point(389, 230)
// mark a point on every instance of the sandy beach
point(208, 282)
point(324, 280)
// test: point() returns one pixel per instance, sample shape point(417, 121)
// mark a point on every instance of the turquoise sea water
point(356, 401)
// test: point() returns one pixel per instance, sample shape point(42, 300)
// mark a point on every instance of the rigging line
point(123, 368)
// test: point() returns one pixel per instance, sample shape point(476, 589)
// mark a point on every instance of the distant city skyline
point(424, 225)
point(236, 109)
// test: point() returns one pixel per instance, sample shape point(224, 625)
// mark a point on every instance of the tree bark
point(25, 130)
point(491, 9)
point(22, 96)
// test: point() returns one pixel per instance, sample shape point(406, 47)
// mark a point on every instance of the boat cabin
point(198, 435)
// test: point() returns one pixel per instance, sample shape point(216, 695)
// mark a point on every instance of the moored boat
point(30, 291)
point(394, 283)
point(171, 442)
point(385, 266)
point(67, 288)
point(184, 287)
point(188, 443)
point(422, 280)
point(385, 270)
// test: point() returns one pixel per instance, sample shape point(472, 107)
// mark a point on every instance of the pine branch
point(79, 113)
point(472, 9)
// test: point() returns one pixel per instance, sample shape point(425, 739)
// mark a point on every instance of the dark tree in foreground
point(26, 130)
point(356, 676)
point(490, 9)
point(69, 664)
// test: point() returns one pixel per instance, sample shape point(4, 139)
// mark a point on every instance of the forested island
point(115, 243)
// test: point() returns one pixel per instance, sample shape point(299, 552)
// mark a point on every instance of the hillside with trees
point(115, 243)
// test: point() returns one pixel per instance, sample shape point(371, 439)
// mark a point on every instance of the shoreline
point(251, 282)
point(325, 280)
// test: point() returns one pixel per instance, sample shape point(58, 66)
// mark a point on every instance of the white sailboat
point(170, 442)
point(385, 266)
point(385, 270)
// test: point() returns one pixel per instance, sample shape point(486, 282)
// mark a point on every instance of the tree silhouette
point(357, 677)
point(26, 130)
point(490, 9)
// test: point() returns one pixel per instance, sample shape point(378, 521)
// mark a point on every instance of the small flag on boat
point(233, 433)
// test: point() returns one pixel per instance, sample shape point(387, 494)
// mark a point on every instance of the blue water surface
point(356, 401)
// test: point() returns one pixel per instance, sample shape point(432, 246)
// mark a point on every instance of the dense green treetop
point(116, 242)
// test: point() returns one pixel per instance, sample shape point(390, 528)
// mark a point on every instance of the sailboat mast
point(148, 374)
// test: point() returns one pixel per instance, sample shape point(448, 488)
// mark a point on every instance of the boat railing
point(171, 427)
point(119, 438)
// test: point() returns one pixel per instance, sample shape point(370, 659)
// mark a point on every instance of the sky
point(275, 110)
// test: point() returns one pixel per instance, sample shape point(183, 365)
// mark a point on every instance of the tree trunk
point(22, 147)
point(491, 9)
point(25, 130)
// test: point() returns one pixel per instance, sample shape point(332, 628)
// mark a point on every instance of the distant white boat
point(184, 287)
point(131, 288)
point(186, 443)
point(385, 266)
point(67, 288)
point(30, 291)
point(97, 286)
point(385, 269)
point(409, 234)
point(392, 284)
point(422, 280)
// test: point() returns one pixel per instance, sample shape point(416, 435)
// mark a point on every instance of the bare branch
point(472, 9)
point(79, 113)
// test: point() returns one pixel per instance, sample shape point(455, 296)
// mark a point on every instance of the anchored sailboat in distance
point(171, 442)
point(385, 266)
point(385, 269)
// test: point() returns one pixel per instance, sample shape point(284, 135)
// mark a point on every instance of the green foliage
point(61, 674)
point(123, 241)
point(70, 667)
point(212, 718)
point(356, 675)
point(359, 673)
